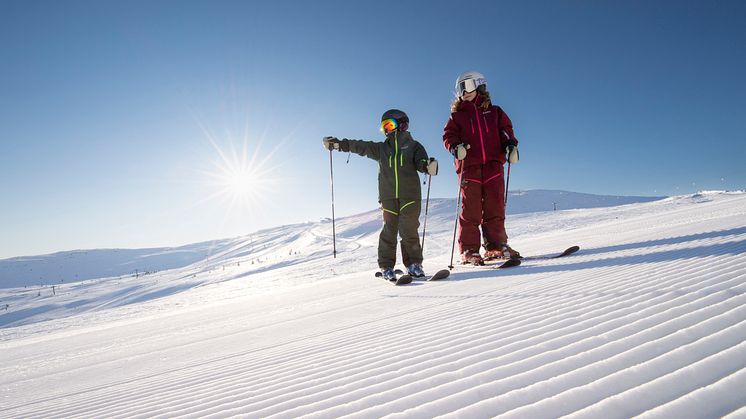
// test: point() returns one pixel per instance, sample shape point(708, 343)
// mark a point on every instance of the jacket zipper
point(396, 171)
point(481, 138)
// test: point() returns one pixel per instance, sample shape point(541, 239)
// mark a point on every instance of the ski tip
point(509, 263)
point(403, 280)
point(569, 251)
point(441, 274)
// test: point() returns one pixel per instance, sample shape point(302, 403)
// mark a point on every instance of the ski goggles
point(469, 85)
point(388, 125)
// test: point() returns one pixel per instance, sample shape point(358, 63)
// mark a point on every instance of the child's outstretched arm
point(369, 149)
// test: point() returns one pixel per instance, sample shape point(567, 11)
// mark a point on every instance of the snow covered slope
point(72, 266)
point(649, 319)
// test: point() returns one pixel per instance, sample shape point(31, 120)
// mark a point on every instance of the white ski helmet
point(468, 82)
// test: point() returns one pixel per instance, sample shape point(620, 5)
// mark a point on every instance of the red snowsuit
point(482, 181)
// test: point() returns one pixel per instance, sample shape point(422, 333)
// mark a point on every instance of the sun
point(238, 177)
point(243, 168)
point(240, 183)
point(241, 175)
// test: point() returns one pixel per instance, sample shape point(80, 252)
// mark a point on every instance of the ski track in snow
point(648, 319)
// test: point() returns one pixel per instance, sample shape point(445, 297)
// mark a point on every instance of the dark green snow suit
point(399, 159)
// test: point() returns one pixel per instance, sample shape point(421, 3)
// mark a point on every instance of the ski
point(508, 264)
point(400, 279)
point(567, 252)
point(500, 264)
point(441, 274)
point(503, 263)
point(403, 279)
point(445, 273)
point(379, 274)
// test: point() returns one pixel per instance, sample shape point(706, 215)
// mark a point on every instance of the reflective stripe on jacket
point(484, 130)
point(399, 159)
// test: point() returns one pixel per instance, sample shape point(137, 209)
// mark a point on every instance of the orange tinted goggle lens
point(388, 125)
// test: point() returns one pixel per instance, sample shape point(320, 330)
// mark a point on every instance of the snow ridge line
point(605, 370)
point(699, 402)
point(476, 375)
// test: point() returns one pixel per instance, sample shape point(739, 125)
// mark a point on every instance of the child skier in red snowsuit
point(480, 136)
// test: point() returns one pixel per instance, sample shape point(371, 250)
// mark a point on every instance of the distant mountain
point(77, 265)
point(520, 202)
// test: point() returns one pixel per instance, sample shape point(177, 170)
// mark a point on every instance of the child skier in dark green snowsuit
point(399, 158)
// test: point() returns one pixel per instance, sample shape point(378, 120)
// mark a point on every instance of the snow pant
point(400, 218)
point(482, 204)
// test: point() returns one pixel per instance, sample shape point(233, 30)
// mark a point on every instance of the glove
point(330, 143)
point(511, 150)
point(512, 153)
point(459, 151)
point(432, 167)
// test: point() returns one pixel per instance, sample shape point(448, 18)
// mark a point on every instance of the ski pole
point(507, 182)
point(455, 225)
point(427, 204)
point(334, 229)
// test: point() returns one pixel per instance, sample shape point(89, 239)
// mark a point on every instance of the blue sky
point(114, 115)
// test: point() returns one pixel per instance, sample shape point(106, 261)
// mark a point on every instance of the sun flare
point(241, 177)
point(237, 177)
point(239, 183)
point(243, 168)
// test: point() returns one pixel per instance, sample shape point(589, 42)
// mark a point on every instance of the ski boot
point(471, 257)
point(389, 274)
point(415, 270)
point(501, 251)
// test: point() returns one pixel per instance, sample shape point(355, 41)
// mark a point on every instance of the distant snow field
point(648, 319)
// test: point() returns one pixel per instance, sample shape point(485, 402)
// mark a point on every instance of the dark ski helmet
point(401, 118)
